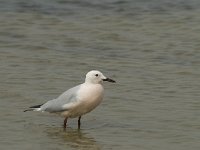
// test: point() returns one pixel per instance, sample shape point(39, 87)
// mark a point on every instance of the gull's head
point(96, 77)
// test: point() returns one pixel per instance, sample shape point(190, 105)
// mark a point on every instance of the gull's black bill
point(109, 80)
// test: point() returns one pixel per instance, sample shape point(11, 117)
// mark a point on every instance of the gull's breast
point(89, 97)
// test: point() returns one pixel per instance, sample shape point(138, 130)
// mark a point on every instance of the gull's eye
point(96, 75)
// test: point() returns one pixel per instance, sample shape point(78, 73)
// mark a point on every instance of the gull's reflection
point(74, 138)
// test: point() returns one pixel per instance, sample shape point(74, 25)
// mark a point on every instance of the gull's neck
point(90, 82)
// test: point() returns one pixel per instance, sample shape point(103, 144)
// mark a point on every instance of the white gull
point(78, 100)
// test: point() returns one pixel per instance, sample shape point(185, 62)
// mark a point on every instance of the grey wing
point(56, 105)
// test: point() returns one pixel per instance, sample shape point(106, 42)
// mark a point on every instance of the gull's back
point(69, 97)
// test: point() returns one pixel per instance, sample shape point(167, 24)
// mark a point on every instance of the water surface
point(151, 48)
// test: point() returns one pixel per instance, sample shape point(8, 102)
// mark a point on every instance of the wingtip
point(28, 110)
point(36, 106)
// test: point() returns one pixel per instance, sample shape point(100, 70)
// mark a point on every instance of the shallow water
point(151, 48)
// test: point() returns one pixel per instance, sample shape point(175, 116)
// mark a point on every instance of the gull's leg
point(65, 123)
point(79, 122)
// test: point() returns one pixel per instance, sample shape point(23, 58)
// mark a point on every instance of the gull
point(78, 100)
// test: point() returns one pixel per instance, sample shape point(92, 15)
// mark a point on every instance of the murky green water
point(151, 48)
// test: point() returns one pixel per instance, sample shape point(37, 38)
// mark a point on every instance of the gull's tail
point(34, 108)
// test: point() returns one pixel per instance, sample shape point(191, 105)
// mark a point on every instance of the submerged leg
point(79, 122)
point(65, 123)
